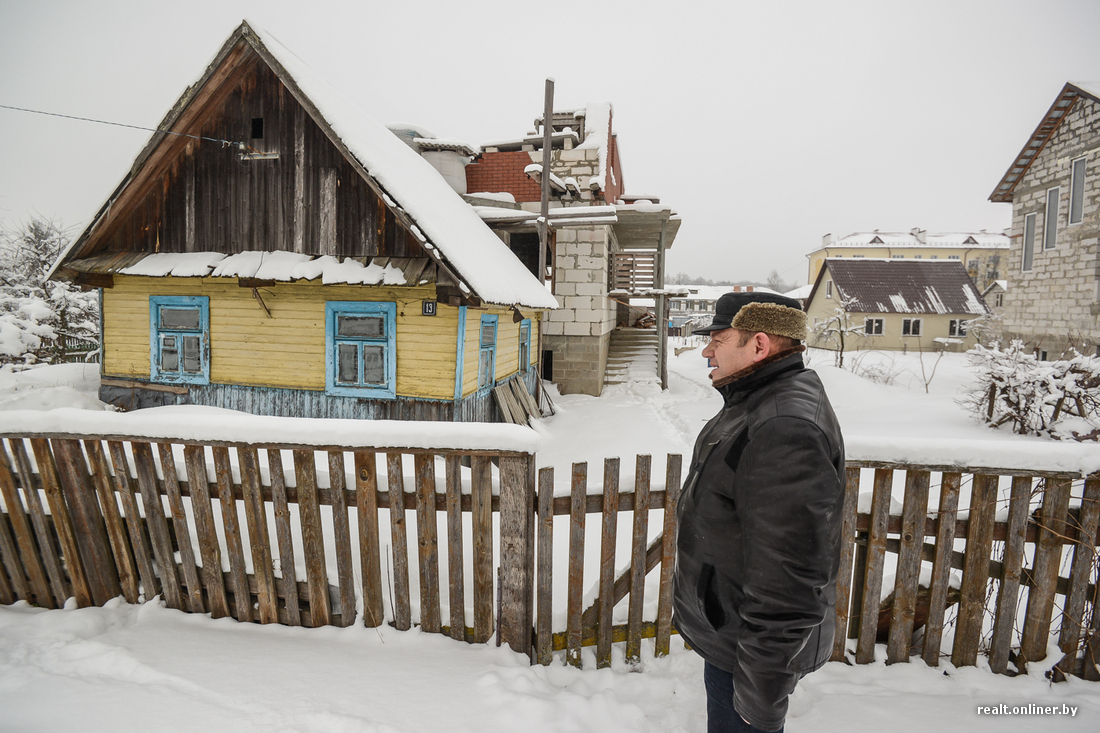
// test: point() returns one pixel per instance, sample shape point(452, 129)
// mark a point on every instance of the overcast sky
point(765, 124)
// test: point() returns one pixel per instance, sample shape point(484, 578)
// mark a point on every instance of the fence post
point(516, 494)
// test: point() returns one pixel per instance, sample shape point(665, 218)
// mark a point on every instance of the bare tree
point(836, 329)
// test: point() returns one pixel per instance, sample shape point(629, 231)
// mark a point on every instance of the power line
point(225, 143)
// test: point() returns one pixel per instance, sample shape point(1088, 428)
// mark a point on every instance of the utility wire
point(225, 143)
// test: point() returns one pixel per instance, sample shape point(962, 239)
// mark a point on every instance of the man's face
point(725, 354)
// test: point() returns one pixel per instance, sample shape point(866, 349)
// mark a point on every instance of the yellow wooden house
point(277, 251)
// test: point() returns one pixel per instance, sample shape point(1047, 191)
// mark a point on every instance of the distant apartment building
point(983, 253)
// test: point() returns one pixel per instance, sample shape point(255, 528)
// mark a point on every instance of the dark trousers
point(721, 717)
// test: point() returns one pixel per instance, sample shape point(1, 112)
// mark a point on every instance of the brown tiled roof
point(905, 286)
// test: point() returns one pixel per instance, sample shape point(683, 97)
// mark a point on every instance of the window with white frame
point(828, 288)
point(898, 257)
point(361, 349)
point(179, 339)
point(524, 346)
point(952, 257)
point(1050, 219)
point(487, 353)
point(1077, 191)
point(872, 327)
point(933, 257)
point(999, 299)
point(1029, 243)
point(910, 326)
point(957, 327)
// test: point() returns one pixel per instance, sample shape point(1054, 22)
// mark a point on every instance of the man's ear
point(762, 346)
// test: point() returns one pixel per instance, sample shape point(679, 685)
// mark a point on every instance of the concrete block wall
point(1057, 303)
point(580, 362)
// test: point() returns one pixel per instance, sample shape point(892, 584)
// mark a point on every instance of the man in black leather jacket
point(758, 543)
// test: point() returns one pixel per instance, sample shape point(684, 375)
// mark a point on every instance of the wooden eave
point(237, 57)
point(1050, 123)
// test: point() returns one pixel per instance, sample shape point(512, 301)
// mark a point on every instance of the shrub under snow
point(1059, 399)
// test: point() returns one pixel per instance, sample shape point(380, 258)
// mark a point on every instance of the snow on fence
point(116, 510)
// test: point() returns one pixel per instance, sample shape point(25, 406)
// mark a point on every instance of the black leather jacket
point(758, 543)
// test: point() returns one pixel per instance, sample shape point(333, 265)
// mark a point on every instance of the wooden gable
point(287, 186)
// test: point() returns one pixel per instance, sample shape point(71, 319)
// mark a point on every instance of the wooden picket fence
point(109, 533)
point(1002, 559)
point(119, 511)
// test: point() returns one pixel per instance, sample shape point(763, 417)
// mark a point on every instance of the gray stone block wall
point(579, 362)
point(1057, 303)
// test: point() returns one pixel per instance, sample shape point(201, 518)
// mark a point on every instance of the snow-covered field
point(123, 667)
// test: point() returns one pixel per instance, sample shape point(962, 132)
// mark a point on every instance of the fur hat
point(769, 313)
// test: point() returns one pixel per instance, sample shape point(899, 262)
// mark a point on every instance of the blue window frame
point(179, 339)
point(487, 353)
point(524, 345)
point(361, 349)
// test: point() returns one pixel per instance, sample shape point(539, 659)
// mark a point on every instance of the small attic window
point(257, 128)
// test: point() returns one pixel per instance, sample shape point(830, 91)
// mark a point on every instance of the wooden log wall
point(121, 511)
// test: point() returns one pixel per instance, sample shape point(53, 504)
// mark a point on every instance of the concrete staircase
point(632, 356)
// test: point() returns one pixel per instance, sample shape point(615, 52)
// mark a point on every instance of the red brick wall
point(503, 172)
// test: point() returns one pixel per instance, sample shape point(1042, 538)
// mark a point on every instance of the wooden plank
point(847, 559)
point(366, 500)
point(259, 541)
point(395, 495)
point(456, 589)
point(143, 554)
point(516, 583)
point(87, 518)
point(313, 543)
point(502, 397)
point(638, 560)
point(341, 531)
point(668, 557)
point(544, 631)
point(1008, 592)
point(1073, 616)
point(187, 563)
point(7, 593)
point(38, 588)
point(575, 589)
point(915, 507)
point(524, 397)
point(876, 555)
point(116, 531)
point(194, 457)
point(1092, 644)
point(231, 528)
point(427, 543)
point(941, 566)
point(481, 501)
point(155, 521)
point(1048, 558)
point(70, 551)
point(979, 542)
point(18, 589)
point(609, 531)
point(287, 571)
point(46, 546)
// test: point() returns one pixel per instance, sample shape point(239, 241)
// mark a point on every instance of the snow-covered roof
point(446, 226)
point(969, 240)
point(903, 286)
point(801, 293)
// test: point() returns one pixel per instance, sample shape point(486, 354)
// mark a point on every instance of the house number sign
point(427, 308)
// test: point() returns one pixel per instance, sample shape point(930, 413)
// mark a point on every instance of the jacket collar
point(762, 371)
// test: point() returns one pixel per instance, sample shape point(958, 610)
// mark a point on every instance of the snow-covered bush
point(38, 318)
point(1059, 399)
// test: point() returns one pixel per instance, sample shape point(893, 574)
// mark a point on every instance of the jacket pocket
point(708, 597)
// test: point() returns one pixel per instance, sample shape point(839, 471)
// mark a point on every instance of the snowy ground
point(125, 667)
